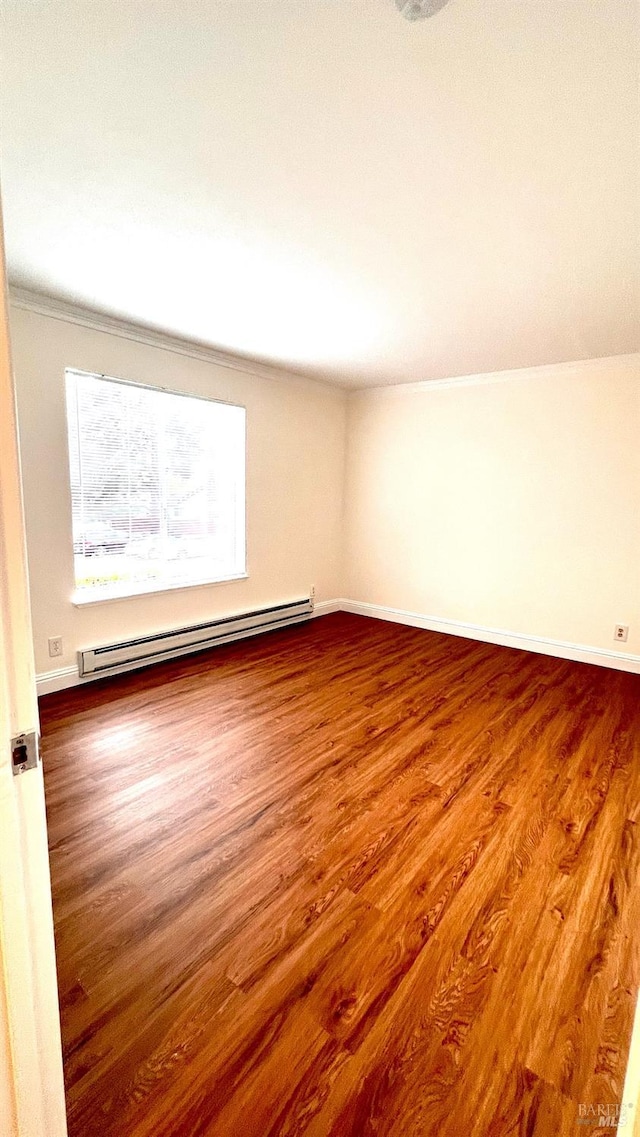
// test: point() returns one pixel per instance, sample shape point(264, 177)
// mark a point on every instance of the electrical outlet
point(312, 594)
point(55, 646)
point(621, 633)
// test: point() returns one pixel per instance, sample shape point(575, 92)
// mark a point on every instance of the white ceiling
point(323, 184)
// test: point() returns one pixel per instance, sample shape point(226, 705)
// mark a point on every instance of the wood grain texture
point(347, 879)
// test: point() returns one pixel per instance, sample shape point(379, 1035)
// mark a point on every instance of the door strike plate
point(24, 752)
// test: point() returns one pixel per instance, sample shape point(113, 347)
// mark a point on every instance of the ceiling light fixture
point(419, 9)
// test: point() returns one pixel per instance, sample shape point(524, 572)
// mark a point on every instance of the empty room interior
point(324, 329)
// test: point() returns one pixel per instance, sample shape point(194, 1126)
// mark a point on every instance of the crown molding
point(44, 305)
point(574, 368)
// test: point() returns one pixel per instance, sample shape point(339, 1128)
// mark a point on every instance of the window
point(157, 488)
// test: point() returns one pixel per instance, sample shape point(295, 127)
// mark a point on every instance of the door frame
point(32, 1100)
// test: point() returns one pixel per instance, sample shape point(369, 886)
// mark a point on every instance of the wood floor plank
point(349, 878)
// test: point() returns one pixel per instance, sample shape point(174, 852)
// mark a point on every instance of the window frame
point(81, 598)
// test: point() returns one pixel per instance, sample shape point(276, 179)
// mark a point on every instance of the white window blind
point(157, 487)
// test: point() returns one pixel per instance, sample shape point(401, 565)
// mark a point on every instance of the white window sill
point(104, 596)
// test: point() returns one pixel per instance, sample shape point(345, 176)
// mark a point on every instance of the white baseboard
point(58, 680)
point(582, 653)
point(62, 677)
point(325, 607)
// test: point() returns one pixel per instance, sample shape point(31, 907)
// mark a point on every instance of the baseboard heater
point(129, 654)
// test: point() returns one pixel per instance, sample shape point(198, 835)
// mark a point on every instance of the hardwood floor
point(348, 879)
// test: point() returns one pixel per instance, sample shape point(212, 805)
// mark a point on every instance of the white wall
point(512, 503)
point(295, 467)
